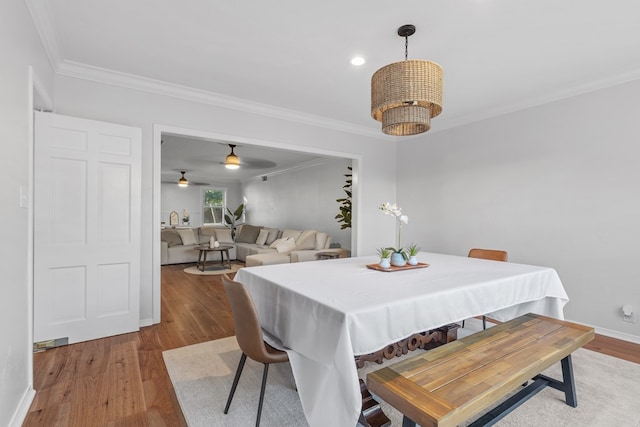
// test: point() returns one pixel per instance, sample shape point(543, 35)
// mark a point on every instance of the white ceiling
point(292, 56)
point(203, 160)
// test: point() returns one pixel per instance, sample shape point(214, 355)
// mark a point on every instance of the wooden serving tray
point(394, 268)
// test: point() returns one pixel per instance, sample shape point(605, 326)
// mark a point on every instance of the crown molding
point(616, 80)
point(131, 81)
point(42, 19)
point(43, 22)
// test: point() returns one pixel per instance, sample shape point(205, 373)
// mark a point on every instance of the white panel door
point(86, 228)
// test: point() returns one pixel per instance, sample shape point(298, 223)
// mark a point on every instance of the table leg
point(371, 414)
point(407, 422)
point(226, 251)
point(198, 264)
point(204, 260)
point(569, 383)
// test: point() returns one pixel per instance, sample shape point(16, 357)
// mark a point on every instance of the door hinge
point(45, 345)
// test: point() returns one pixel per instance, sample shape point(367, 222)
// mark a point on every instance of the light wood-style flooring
point(122, 380)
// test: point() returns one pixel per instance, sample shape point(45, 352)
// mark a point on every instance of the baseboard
point(618, 335)
point(146, 322)
point(23, 408)
point(602, 331)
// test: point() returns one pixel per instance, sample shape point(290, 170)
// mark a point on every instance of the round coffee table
point(204, 250)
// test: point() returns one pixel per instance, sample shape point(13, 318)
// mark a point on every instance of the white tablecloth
point(325, 312)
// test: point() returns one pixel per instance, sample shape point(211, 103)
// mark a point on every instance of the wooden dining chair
point(250, 338)
point(490, 254)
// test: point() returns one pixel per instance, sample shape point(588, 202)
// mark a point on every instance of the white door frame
point(36, 90)
point(159, 129)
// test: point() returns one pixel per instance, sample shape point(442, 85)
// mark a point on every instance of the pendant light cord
point(406, 47)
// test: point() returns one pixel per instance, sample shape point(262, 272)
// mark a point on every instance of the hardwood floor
point(122, 380)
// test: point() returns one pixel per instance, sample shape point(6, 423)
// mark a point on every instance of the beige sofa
point(284, 246)
point(179, 245)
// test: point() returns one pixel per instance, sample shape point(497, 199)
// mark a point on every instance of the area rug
point(607, 389)
point(213, 269)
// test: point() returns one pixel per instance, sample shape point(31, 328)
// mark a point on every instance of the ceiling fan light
point(232, 161)
point(183, 182)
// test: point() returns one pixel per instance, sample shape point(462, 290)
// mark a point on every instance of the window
point(214, 206)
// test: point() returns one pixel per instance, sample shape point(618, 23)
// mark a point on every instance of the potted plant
point(385, 257)
point(231, 218)
point(344, 216)
point(412, 251)
point(399, 257)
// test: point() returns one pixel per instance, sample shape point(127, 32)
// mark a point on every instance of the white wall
point(556, 185)
point(177, 199)
point(88, 99)
point(20, 47)
point(301, 199)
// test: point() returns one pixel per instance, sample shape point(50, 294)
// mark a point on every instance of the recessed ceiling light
point(357, 61)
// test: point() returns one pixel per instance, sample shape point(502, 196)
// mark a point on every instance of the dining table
point(323, 313)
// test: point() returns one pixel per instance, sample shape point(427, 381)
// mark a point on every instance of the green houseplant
point(344, 216)
point(412, 251)
point(231, 219)
point(385, 257)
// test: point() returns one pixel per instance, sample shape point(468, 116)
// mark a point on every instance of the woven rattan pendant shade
point(405, 96)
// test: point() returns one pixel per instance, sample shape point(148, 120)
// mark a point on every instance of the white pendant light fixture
point(183, 182)
point(405, 95)
point(232, 161)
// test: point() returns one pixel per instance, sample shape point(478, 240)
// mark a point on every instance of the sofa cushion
point(294, 234)
point(266, 259)
point(248, 234)
point(287, 245)
point(277, 242)
point(262, 237)
point(273, 235)
point(321, 240)
point(306, 240)
point(284, 244)
point(187, 236)
point(206, 233)
point(170, 236)
point(223, 235)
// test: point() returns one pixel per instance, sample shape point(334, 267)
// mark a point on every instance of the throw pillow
point(170, 236)
point(294, 234)
point(187, 236)
point(277, 242)
point(273, 235)
point(306, 241)
point(206, 233)
point(223, 235)
point(262, 237)
point(321, 240)
point(248, 234)
point(287, 245)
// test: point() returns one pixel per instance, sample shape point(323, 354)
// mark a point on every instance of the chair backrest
point(247, 323)
point(491, 254)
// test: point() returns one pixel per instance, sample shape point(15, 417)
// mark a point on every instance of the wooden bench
point(463, 379)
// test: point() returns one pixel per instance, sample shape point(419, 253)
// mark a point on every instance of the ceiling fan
point(183, 181)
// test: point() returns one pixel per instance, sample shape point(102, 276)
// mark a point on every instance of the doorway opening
point(264, 150)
